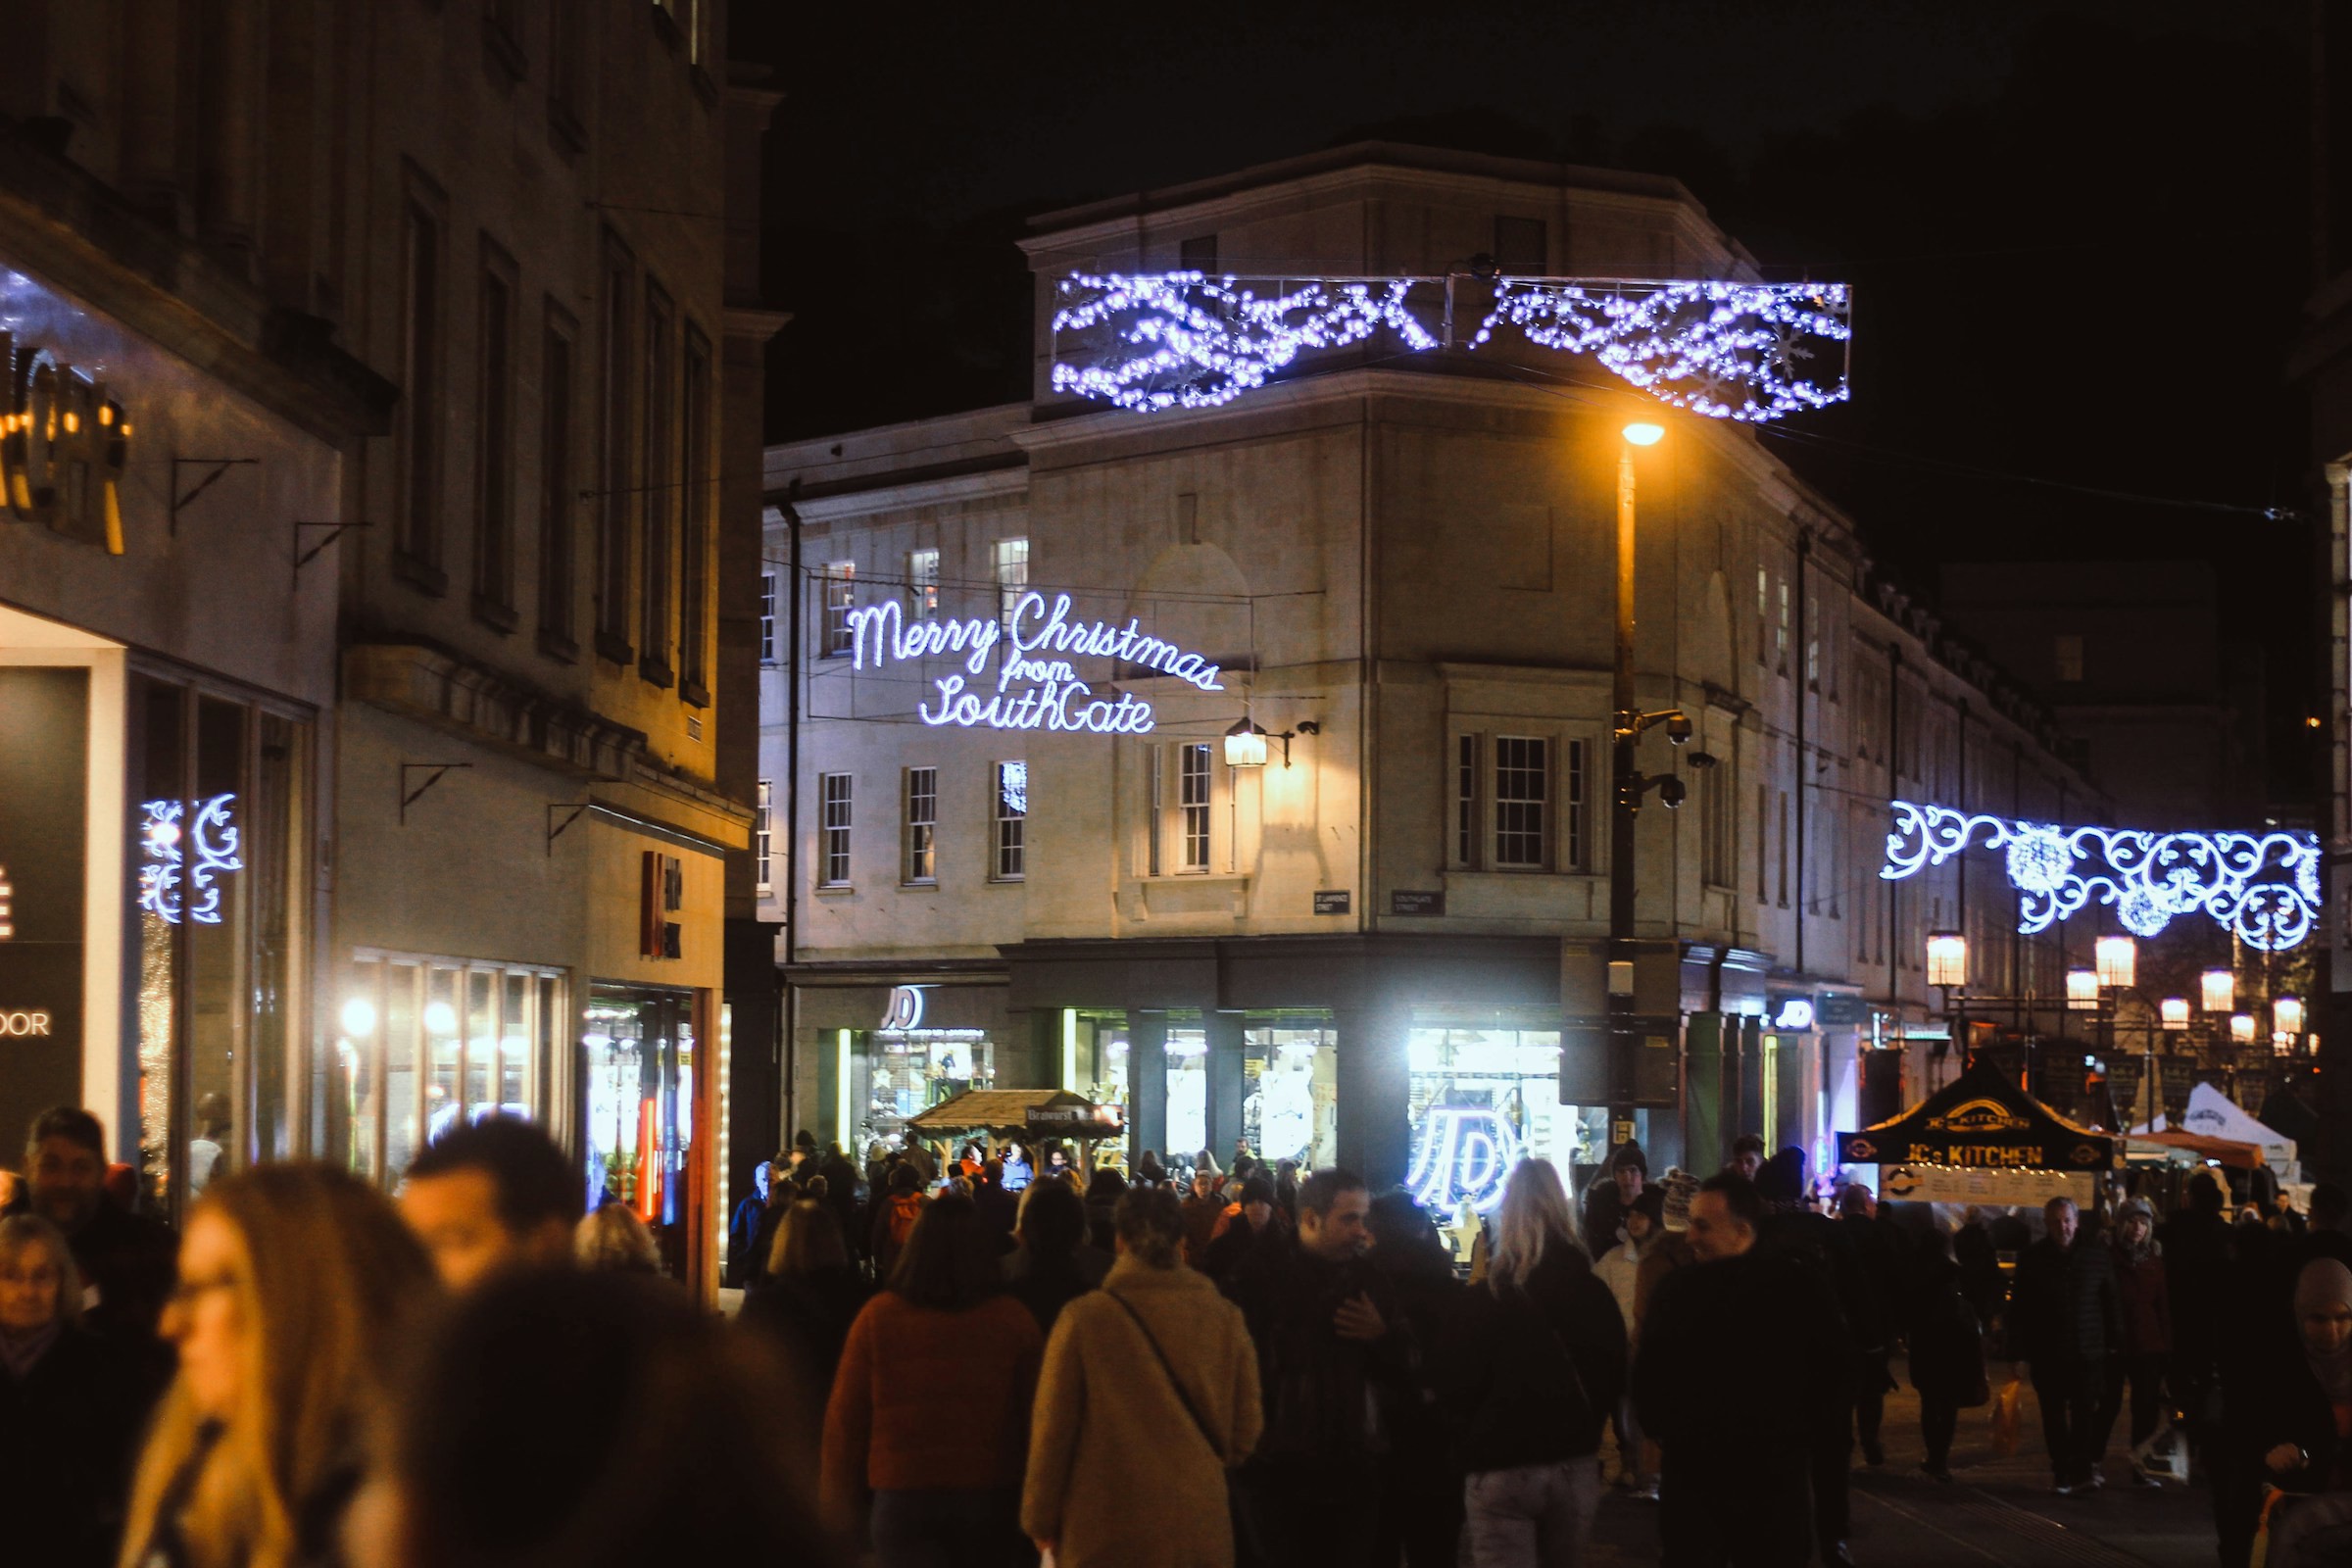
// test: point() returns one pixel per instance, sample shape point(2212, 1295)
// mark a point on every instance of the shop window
point(1290, 1093)
point(922, 825)
point(834, 825)
point(764, 840)
point(1188, 1089)
point(905, 1072)
point(1013, 576)
point(424, 1043)
point(841, 597)
point(1522, 798)
point(922, 582)
point(768, 618)
point(1479, 1100)
point(1192, 803)
point(1011, 813)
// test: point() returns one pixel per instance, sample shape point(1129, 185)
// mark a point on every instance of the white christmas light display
point(2265, 887)
point(181, 862)
point(1463, 1152)
point(1725, 350)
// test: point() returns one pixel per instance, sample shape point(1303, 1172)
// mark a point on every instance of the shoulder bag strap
point(1200, 1423)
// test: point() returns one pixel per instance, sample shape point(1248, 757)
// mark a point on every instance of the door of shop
point(636, 1109)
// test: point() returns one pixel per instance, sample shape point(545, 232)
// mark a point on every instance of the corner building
point(1386, 945)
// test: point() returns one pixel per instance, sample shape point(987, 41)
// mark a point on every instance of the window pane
point(355, 1093)
point(269, 846)
point(1520, 795)
point(841, 597)
point(923, 581)
point(1192, 798)
point(1013, 821)
point(835, 826)
point(400, 1058)
point(216, 914)
point(515, 1049)
point(443, 1093)
point(481, 1042)
point(923, 820)
point(1188, 1091)
point(1013, 575)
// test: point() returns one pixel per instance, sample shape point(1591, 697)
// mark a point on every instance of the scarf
point(20, 1354)
point(2324, 1282)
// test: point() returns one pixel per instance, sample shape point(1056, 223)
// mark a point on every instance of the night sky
point(2076, 233)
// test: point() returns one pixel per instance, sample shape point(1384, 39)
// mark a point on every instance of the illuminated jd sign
point(63, 445)
point(1034, 688)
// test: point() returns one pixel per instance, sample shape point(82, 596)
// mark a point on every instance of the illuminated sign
point(1463, 1152)
point(2261, 887)
point(906, 1009)
point(1792, 1012)
point(1032, 689)
point(187, 855)
point(18, 1023)
point(63, 446)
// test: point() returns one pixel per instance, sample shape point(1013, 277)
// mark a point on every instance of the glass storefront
point(215, 836)
point(1482, 1100)
point(1188, 1086)
point(422, 1043)
point(637, 1066)
point(1289, 1095)
point(1102, 1076)
point(908, 1072)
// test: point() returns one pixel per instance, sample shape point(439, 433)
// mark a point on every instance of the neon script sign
point(1034, 688)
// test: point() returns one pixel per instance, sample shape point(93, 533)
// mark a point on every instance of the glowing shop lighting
point(185, 855)
point(1033, 690)
point(440, 1018)
point(359, 1017)
point(2263, 887)
point(1244, 746)
point(1185, 340)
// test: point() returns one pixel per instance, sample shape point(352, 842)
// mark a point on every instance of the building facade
point(1018, 847)
point(507, 224)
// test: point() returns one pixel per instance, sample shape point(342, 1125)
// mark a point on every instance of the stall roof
point(1004, 1111)
point(2240, 1156)
point(2214, 1114)
point(1980, 1120)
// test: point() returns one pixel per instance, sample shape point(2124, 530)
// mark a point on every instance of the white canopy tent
point(2215, 1114)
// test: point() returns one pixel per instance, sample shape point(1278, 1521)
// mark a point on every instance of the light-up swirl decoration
point(1464, 1152)
point(185, 857)
point(1183, 340)
point(2265, 887)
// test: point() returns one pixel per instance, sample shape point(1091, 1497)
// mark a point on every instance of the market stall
point(1029, 1115)
point(1981, 1139)
point(2214, 1114)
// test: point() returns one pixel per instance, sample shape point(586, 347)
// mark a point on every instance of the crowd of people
point(1187, 1368)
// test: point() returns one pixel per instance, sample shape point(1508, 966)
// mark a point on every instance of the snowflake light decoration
point(2264, 887)
point(1725, 350)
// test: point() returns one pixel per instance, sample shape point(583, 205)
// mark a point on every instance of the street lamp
point(2286, 1014)
point(1244, 746)
point(2241, 1028)
point(2118, 958)
point(2174, 1010)
point(2220, 989)
point(2083, 990)
point(1947, 958)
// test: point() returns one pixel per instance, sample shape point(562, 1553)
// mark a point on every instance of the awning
point(1026, 1113)
point(1980, 1121)
point(2236, 1155)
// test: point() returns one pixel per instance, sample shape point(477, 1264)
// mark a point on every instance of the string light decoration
point(191, 860)
point(1463, 1152)
point(1751, 352)
point(2263, 887)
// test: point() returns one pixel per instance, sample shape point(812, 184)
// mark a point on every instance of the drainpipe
point(1809, 660)
point(792, 825)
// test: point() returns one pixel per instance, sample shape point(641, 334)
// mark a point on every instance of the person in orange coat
point(927, 1432)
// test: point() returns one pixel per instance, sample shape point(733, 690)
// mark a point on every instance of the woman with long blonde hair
point(293, 1280)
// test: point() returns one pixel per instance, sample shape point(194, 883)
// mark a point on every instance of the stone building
point(1388, 937)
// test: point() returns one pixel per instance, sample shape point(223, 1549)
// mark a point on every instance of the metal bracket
point(555, 829)
point(335, 531)
point(409, 797)
point(219, 466)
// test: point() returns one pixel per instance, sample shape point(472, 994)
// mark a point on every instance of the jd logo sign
point(63, 445)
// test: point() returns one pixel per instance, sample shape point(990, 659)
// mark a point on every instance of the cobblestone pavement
point(1998, 1510)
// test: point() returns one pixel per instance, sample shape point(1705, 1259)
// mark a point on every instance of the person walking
point(1612, 1193)
point(295, 1283)
point(1000, 1211)
point(2064, 1319)
point(1884, 1278)
point(2291, 1422)
point(491, 1194)
point(1536, 1364)
point(807, 1296)
point(1420, 1486)
point(896, 1214)
point(2139, 1357)
point(1741, 1374)
point(126, 1258)
point(1245, 1233)
point(927, 1429)
point(1103, 1190)
point(1946, 1341)
point(1620, 1269)
point(69, 1407)
point(1148, 1398)
point(1053, 1264)
point(613, 1240)
point(1203, 1208)
point(1818, 1243)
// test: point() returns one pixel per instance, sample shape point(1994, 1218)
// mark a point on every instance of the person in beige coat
point(1124, 1467)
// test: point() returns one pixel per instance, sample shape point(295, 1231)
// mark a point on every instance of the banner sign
point(2008, 1189)
point(1980, 1121)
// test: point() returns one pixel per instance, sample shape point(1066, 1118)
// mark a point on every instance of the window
point(923, 581)
point(834, 826)
point(1763, 842)
point(657, 491)
point(1465, 800)
point(1192, 799)
point(555, 485)
point(1198, 255)
point(1151, 857)
point(2070, 657)
point(1763, 614)
point(564, 34)
point(1716, 827)
point(617, 551)
point(1013, 576)
point(921, 861)
point(421, 401)
point(1780, 634)
point(694, 526)
point(1572, 808)
point(1813, 641)
point(1783, 898)
point(768, 617)
point(841, 597)
point(1521, 794)
point(1012, 821)
point(764, 841)
point(1520, 250)
point(494, 445)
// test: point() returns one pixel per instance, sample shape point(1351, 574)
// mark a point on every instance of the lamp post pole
point(1625, 797)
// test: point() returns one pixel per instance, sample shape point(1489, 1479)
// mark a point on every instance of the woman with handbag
point(1947, 1352)
point(1148, 1396)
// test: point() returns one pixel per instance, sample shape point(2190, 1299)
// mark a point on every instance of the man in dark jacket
point(1332, 1349)
point(1738, 1354)
point(128, 1262)
point(2063, 1320)
point(1608, 1199)
point(1886, 1273)
point(1825, 1249)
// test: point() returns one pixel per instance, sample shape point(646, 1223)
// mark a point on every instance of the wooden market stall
point(1981, 1139)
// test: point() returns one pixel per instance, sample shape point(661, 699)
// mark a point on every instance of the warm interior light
point(1947, 958)
point(2174, 1010)
point(2118, 960)
point(1244, 746)
point(2083, 989)
point(1644, 434)
point(2241, 1028)
point(2286, 1013)
point(2219, 988)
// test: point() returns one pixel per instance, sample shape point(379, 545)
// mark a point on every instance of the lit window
point(836, 828)
point(763, 841)
point(841, 597)
point(922, 825)
point(1013, 576)
point(923, 581)
point(768, 617)
point(1013, 821)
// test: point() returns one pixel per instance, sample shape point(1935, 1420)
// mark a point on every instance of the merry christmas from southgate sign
point(1036, 687)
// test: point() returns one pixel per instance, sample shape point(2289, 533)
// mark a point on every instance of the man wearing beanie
point(1606, 1199)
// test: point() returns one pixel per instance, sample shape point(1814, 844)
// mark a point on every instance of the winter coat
point(1601, 1213)
point(1741, 1351)
point(1663, 1253)
point(1045, 1285)
point(928, 1399)
point(1232, 1247)
point(68, 1435)
point(1118, 1472)
point(809, 1315)
point(2144, 1304)
point(1322, 1393)
point(1945, 1338)
point(2065, 1307)
point(1530, 1375)
point(1620, 1269)
point(1200, 1216)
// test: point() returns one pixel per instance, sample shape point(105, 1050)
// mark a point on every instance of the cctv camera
point(1670, 793)
point(1679, 730)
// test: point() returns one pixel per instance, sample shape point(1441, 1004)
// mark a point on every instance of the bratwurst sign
point(1036, 686)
